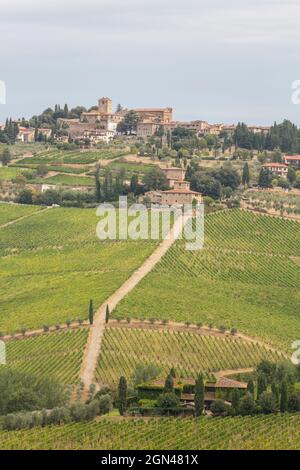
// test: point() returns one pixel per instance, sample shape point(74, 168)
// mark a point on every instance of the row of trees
point(284, 136)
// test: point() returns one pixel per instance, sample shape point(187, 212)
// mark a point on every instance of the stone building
point(179, 192)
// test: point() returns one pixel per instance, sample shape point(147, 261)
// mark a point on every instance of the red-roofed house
point(293, 160)
point(277, 169)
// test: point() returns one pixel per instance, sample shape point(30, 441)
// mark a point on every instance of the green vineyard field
point(52, 264)
point(10, 212)
point(266, 432)
point(57, 355)
point(78, 157)
point(244, 277)
point(190, 353)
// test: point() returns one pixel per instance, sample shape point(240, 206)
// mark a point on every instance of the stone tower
point(105, 106)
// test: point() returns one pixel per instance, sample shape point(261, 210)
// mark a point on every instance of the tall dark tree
point(235, 399)
point(283, 396)
point(107, 313)
point(134, 184)
point(122, 395)
point(98, 185)
point(251, 387)
point(91, 312)
point(169, 384)
point(246, 175)
point(264, 179)
point(199, 395)
point(262, 384)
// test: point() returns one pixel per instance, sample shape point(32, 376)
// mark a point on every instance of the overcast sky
point(217, 60)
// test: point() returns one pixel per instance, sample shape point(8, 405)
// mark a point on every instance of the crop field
point(49, 275)
point(78, 157)
point(245, 277)
point(70, 180)
point(57, 355)
point(265, 432)
point(190, 353)
point(10, 212)
point(7, 173)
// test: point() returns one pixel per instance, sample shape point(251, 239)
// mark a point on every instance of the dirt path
point(93, 346)
point(24, 217)
point(226, 372)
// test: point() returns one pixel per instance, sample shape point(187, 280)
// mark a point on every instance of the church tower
point(105, 106)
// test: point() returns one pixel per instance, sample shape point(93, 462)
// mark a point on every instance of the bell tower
point(105, 106)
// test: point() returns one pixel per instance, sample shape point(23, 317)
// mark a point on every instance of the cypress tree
point(235, 399)
point(91, 313)
point(98, 185)
point(262, 384)
point(283, 396)
point(246, 175)
point(169, 384)
point(199, 395)
point(107, 313)
point(122, 395)
point(251, 387)
point(173, 373)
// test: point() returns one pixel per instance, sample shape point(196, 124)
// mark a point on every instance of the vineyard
point(10, 212)
point(56, 355)
point(49, 275)
point(77, 156)
point(190, 353)
point(245, 277)
point(266, 432)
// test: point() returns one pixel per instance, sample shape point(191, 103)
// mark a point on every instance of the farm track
point(93, 346)
point(12, 222)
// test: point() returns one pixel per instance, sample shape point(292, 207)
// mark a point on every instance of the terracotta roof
point(292, 157)
point(180, 191)
point(275, 165)
point(224, 382)
point(152, 109)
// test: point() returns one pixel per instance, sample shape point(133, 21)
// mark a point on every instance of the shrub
point(246, 405)
point(167, 401)
point(79, 412)
point(105, 404)
point(220, 408)
point(294, 402)
point(267, 403)
point(59, 415)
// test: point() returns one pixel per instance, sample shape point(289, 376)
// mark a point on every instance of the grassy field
point(190, 353)
point(70, 180)
point(130, 168)
point(49, 275)
point(57, 355)
point(10, 212)
point(266, 432)
point(244, 277)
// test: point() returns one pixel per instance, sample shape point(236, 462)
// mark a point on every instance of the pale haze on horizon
point(220, 61)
